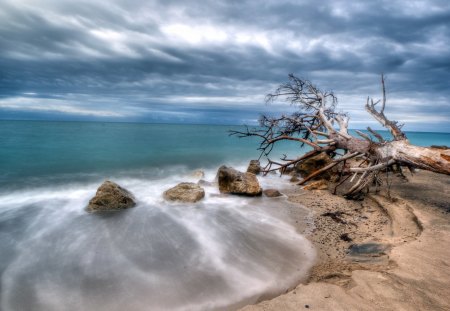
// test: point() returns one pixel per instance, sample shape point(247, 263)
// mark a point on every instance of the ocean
point(221, 253)
point(34, 153)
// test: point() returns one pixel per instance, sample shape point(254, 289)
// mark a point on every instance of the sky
point(184, 61)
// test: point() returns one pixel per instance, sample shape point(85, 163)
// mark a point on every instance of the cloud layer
point(213, 61)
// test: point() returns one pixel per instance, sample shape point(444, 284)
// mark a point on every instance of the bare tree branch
point(366, 137)
point(316, 117)
point(377, 136)
point(327, 167)
point(392, 126)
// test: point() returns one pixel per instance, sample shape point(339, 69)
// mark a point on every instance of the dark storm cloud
point(213, 61)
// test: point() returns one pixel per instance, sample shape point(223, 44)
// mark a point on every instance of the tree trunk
point(427, 158)
point(320, 126)
point(430, 159)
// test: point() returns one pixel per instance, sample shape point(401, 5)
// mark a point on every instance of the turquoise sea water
point(218, 254)
point(67, 150)
point(62, 151)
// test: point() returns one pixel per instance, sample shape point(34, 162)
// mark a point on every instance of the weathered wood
point(327, 167)
point(317, 116)
point(392, 126)
point(427, 158)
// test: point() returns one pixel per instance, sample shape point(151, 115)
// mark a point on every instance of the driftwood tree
point(318, 124)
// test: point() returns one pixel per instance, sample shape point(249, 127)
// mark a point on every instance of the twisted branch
point(314, 125)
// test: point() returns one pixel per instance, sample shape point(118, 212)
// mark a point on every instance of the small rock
point(109, 197)
point(336, 216)
point(272, 193)
point(185, 192)
point(294, 179)
point(205, 183)
point(199, 174)
point(254, 167)
point(317, 185)
point(235, 182)
point(345, 237)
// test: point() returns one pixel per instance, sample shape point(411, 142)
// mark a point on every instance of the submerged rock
point(185, 192)
point(109, 197)
point(254, 167)
point(312, 164)
point(294, 178)
point(205, 183)
point(272, 193)
point(235, 182)
point(317, 185)
point(199, 174)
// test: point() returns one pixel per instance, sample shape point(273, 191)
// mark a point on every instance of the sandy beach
point(383, 253)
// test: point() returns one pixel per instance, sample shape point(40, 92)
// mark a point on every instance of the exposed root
point(319, 126)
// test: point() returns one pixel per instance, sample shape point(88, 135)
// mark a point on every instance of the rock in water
point(272, 193)
point(235, 182)
point(199, 174)
point(185, 192)
point(294, 178)
point(254, 167)
point(110, 197)
point(313, 164)
point(205, 183)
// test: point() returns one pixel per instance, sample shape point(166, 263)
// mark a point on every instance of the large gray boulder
point(110, 197)
point(235, 182)
point(185, 192)
point(254, 167)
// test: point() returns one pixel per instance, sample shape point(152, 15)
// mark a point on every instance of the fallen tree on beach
point(319, 125)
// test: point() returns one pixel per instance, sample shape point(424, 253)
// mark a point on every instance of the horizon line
point(174, 123)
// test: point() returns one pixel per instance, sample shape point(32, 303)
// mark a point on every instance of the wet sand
point(388, 252)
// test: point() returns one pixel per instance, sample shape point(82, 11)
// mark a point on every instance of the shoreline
point(376, 254)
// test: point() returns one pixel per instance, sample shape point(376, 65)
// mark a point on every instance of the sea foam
point(221, 253)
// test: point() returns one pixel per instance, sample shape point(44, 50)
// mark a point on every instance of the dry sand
point(378, 254)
